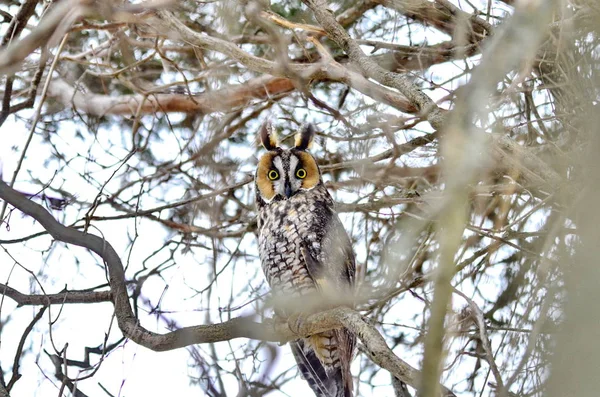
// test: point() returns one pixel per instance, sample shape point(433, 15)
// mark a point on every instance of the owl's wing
point(335, 262)
point(341, 254)
point(332, 271)
point(346, 271)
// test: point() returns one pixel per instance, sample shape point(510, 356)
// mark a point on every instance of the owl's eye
point(273, 175)
point(301, 173)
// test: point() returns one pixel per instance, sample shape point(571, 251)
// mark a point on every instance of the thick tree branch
point(224, 100)
point(378, 350)
point(404, 58)
point(443, 15)
point(62, 13)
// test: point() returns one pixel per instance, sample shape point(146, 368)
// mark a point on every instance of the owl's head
point(281, 174)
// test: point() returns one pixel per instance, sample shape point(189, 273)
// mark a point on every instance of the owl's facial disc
point(284, 174)
point(287, 184)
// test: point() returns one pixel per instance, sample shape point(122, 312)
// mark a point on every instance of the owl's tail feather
point(323, 383)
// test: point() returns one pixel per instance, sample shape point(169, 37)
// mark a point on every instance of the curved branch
point(239, 327)
point(129, 325)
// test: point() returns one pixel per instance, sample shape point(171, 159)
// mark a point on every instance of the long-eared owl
point(305, 250)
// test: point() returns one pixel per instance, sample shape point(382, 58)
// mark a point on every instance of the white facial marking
point(279, 184)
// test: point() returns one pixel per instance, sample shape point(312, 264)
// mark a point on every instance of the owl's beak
point(288, 190)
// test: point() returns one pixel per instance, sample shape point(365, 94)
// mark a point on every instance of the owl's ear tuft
point(268, 136)
point(305, 137)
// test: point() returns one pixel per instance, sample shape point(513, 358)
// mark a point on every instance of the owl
point(304, 250)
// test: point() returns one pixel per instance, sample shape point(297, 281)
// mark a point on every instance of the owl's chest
point(285, 228)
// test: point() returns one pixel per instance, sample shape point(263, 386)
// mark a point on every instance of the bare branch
point(55, 299)
point(224, 100)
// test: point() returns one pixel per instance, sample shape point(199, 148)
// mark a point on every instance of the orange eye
point(273, 175)
point(301, 173)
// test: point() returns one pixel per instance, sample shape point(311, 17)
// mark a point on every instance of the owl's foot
point(278, 321)
point(295, 323)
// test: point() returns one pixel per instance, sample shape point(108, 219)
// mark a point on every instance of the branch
point(240, 327)
point(443, 15)
point(340, 36)
point(55, 299)
point(483, 336)
point(223, 100)
point(17, 24)
point(403, 57)
point(378, 350)
point(526, 167)
point(62, 13)
point(57, 21)
point(15, 370)
point(65, 380)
